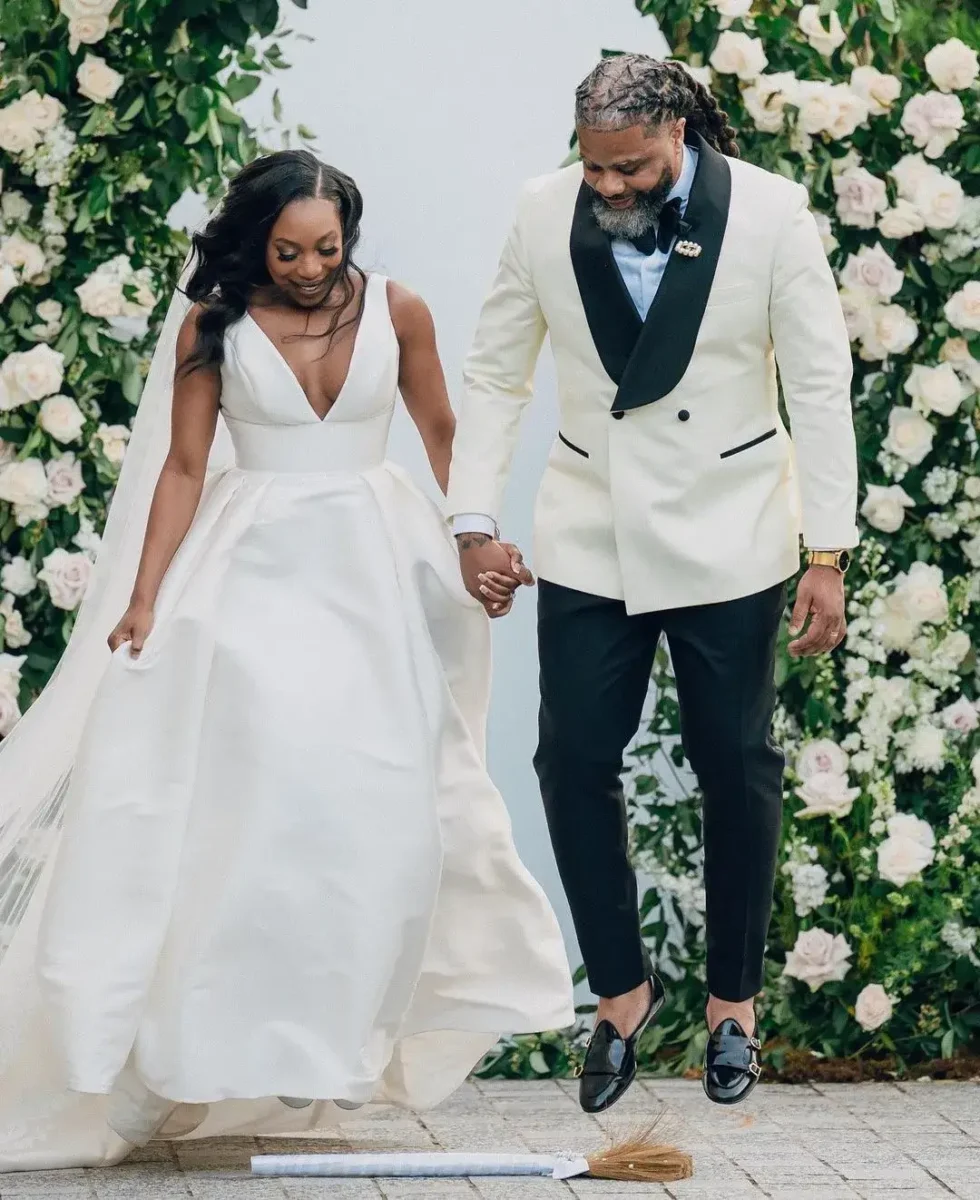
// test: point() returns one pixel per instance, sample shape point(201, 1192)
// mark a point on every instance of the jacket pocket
point(763, 437)
point(571, 445)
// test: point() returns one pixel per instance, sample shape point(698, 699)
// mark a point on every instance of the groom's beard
point(643, 216)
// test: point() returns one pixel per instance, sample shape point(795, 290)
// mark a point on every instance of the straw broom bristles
point(641, 1158)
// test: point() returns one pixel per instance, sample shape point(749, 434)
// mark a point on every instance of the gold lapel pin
point(688, 249)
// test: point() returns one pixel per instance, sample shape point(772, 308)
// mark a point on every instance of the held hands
point(820, 596)
point(492, 571)
point(134, 628)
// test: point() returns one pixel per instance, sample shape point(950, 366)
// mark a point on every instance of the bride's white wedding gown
point(284, 870)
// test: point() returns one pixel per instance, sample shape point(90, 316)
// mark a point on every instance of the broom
point(638, 1157)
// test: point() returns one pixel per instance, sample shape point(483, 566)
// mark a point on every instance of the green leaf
point(305, 131)
point(948, 1044)
point(277, 105)
point(67, 345)
point(134, 108)
point(301, 3)
point(240, 86)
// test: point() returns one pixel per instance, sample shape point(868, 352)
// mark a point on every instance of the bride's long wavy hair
point(229, 254)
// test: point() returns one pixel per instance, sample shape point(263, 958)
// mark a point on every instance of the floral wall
point(110, 110)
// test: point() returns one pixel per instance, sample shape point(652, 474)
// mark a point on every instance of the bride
point(252, 870)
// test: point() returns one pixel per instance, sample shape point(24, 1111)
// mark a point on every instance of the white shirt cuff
point(474, 523)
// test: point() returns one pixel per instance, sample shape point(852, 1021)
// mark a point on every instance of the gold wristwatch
point(840, 560)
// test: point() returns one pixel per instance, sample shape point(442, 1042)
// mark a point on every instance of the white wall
point(440, 109)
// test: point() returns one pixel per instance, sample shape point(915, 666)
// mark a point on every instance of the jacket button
point(683, 415)
point(618, 416)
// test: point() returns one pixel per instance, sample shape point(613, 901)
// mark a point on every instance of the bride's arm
point(178, 491)
point(421, 379)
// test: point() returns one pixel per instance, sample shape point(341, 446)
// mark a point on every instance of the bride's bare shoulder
point(410, 314)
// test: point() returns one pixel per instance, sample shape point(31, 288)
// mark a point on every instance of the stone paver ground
point(916, 1141)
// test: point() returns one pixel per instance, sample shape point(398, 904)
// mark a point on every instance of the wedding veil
point(36, 758)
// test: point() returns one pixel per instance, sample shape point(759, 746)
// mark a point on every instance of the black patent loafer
point(610, 1058)
point(731, 1063)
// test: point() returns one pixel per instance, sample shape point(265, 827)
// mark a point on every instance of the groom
point(673, 281)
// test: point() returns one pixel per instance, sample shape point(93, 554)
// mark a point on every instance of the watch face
point(844, 560)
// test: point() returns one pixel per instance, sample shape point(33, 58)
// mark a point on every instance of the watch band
point(840, 560)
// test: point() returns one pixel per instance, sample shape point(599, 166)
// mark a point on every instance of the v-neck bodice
point(271, 421)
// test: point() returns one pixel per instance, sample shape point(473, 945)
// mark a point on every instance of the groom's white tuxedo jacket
point(673, 480)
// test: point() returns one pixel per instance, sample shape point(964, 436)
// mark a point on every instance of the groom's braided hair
point(634, 89)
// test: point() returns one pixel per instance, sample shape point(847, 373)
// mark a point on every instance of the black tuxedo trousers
point(596, 662)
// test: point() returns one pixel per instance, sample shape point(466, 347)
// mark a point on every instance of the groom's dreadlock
point(634, 89)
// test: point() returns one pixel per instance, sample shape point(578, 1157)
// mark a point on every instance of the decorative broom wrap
point(637, 1158)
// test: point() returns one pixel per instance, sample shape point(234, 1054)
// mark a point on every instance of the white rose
point(873, 268)
point(86, 31)
point(873, 1007)
point(818, 957)
point(940, 201)
point(894, 627)
point(18, 133)
point(65, 482)
point(902, 858)
point(956, 351)
point(127, 329)
point(765, 100)
point(891, 331)
point(859, 308)
point(910, 173)
point(879, 91)
point(738, 54)
point(819, 105)
point(112, 441)
point(901, 221)
point(812, 26)
point(76, 9)
point(101, 295)
point(885, 507)
point(701, 74)
point(960, 717)
point(933, 121)
point(825, 227)
point(15, 206)
point(45, 111)
point(18, 251)
point(17, 577)
point(50, 312)
point(955, 647)
point(67, 576)
point(731, 10)
point(922, 594)
point(952, 65)
point(9, 712)
point(971, 549)
point(963, 308)
point(35, 373)
point(827, 794)
point(9, 279)
point(910, 435)
point(23, 482)
point(936, 389)
point(851, 112)
point(62, 418)
point(15, 634)
point(860, 197)
point(97, 81)
point(10, 668)
point(821, 757)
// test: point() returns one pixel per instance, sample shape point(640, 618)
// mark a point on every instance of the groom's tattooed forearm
point(472, 541)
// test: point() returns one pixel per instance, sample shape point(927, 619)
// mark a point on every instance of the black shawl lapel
point(663, 350)
point(613, 320)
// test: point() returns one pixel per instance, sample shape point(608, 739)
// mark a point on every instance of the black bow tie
point(669, 225)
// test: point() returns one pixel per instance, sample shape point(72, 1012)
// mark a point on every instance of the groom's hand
point(492, 571)
point(820, 596)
